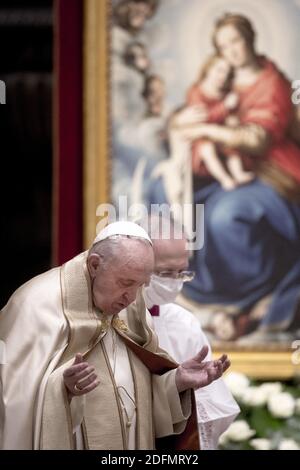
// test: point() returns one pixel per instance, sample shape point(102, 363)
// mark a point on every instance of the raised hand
point(80, 378)
point(195, 373)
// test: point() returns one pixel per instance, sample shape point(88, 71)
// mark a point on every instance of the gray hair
point(110, 248)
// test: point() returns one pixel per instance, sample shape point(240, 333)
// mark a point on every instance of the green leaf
point(263, 422)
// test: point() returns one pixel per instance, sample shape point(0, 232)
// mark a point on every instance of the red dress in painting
point(266, 103)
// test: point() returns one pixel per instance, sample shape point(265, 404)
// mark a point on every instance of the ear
point(93, 264)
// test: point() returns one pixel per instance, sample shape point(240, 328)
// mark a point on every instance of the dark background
point(26, 66)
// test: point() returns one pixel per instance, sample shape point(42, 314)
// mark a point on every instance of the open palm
point(196, 373)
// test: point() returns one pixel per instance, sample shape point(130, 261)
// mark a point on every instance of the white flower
point(258, 396)
point(288, 444)
point(236, 382)
point(297, 407)
point(271, 388)
point(223, 439)
point(237, 432)
point(281, 405)
point(261, 444)
point(254, 396)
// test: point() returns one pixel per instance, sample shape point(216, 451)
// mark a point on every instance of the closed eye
point(125, 283)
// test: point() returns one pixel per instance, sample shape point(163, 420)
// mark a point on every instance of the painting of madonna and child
point(204, 112)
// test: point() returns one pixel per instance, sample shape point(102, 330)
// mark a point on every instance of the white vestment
point(180, 334)
point(120, 365)
point(36, 332)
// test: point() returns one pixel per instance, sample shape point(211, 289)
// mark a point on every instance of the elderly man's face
point(115, 285)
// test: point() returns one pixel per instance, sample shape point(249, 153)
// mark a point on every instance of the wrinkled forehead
point(130, 269)
point(137, 254)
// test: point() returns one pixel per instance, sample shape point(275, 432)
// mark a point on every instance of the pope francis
point(83, 369)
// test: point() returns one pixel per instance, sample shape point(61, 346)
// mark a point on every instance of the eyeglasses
point(184, 276)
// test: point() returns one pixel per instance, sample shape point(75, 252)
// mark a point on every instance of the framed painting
point(194, 104)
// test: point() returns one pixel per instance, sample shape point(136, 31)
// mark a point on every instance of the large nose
point(130, 295)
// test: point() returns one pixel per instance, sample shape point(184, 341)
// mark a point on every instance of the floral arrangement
point(269, 418)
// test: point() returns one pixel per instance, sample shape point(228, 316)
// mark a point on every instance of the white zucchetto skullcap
point(122, 228)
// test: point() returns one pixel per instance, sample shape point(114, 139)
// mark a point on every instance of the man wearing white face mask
point(179, 332)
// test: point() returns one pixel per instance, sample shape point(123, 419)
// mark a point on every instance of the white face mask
point(162, 290)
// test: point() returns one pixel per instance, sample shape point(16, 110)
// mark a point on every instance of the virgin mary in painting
point(247, 281)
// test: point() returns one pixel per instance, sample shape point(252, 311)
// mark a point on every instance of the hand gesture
point(80, 378)
point(195, 373)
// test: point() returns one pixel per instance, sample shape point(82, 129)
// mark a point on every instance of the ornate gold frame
point(263, 365)
point(95, 113)
point(258, 364)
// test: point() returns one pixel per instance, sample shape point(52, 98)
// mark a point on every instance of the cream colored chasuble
point(59, 305)
point(121, 368)
point(132, 370)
